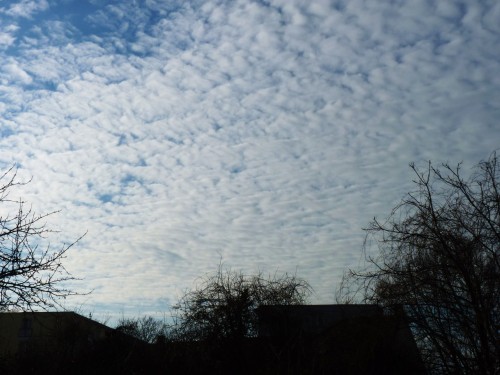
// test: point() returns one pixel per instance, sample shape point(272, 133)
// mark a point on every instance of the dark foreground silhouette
point(341, 339)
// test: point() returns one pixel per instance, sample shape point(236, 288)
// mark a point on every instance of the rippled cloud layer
point(265, 133)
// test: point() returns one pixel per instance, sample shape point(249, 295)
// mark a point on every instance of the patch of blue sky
point(5, 131)
point(73, 21)
point(128, 179)
point(106, 198)
point(76, 12)
point(236, 169)
point(174, 140)
point(39, 84)
point(111, 20)
point(50, 85)
point(130, 22)
point(122, 140)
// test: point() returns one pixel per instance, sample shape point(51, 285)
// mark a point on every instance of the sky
point(264, 134)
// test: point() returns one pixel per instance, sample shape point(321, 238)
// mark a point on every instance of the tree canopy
point(147, 328)
point(223, 305)
point(31, 273)
point(439, 259)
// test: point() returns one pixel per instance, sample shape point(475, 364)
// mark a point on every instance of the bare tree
point(224, 305)
point(147, 328)
point(439, 259)
point(31, 273)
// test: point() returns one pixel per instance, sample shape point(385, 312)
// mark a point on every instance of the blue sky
point(265, 133)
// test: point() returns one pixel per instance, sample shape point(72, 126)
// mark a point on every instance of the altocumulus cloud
point(267, 133)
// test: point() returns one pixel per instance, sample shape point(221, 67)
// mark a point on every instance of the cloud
point(13, 73)
point(7, 35)
point(268, 133)
point(26, 8)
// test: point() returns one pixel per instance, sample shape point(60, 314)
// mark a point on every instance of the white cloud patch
point(7, 35)
point(13, 73)
point(25, 8)
point(266, 134)
point(6, 39)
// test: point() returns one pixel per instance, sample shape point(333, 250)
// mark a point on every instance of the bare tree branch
point(439, 258)
point(223, 306)
point(31, 274)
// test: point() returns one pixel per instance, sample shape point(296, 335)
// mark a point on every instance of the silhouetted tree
point(31, 274)
point(439, 259)
point(223, 306)
point(147, 328)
